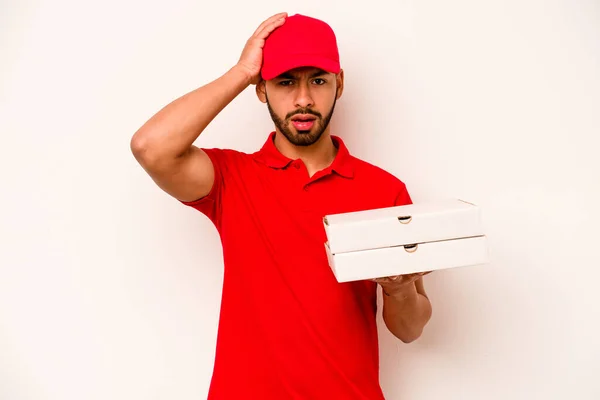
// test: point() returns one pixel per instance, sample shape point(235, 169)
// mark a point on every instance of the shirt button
point(297, 165)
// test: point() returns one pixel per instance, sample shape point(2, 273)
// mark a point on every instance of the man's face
point(301, 103)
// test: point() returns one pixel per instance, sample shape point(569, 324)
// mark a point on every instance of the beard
point(302, 138)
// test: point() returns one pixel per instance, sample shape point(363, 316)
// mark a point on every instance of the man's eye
point(285, 83)
point(319, 81)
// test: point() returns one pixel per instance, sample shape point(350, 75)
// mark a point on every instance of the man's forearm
point(406, 313)
point(172, 131)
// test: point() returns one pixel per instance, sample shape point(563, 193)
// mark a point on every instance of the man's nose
point(303, 97)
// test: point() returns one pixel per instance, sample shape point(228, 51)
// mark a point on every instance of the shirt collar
point(272, 157)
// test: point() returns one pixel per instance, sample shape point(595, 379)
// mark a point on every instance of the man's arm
point(406, 307)
point(164, 144)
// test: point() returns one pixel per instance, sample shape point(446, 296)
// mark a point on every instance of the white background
point(110, 289)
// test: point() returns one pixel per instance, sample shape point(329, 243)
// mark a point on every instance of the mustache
point(304, 111)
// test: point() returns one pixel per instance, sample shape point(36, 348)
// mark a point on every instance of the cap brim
point(269, 72)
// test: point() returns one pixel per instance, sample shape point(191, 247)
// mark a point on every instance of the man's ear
point(261, 90)
point(339, 84)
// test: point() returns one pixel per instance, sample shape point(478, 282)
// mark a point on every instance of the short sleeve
point(211, 205)
point(403, 197)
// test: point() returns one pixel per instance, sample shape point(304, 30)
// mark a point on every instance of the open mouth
point(303, 122)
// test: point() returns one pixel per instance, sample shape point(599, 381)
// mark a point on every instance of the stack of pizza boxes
point(399, 240)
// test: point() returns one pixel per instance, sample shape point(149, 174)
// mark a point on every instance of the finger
point(267, 30)
point(408, 278)
point(415, 275)
point(269, 21)
point(380, 280)
point(390, 279)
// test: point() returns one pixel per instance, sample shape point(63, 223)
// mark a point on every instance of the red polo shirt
point(287, 328)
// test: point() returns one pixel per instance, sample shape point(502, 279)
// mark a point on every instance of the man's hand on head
point(252, 56)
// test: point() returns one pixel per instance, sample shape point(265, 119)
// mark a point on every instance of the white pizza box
point(407, 259)
point(406, 239)
point(429, 221)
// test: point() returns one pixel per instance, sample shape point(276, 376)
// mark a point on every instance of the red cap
point(300, 42)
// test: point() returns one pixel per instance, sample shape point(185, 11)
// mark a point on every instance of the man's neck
point(316, 157)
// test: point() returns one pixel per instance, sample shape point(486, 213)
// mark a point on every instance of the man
point(287, 328)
